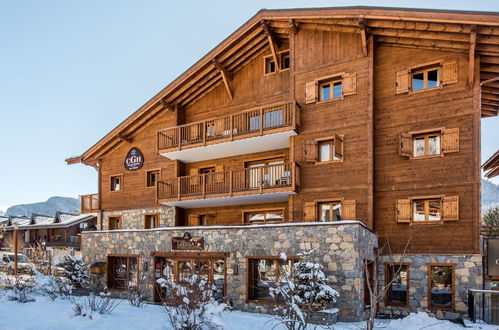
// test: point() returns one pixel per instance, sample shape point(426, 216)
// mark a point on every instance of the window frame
point(282, 56)
point(249, 276)
point(245, 214)
point(427, 200)
point(425, 68)
point(331, 140)
point(158, 177)
point(157, 222)
point(120, 221)
point(330, 202)
point(388, 279)
point(111, 177)
point(329, 81)
point(266, 61)
point(426, 135)
point(109, 273)
point(270, 58)
point(453, 280)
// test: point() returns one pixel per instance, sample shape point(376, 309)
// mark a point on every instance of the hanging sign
point(134, 159)
point(187, 242)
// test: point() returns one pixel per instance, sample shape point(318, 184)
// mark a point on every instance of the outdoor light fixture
point(235, 270)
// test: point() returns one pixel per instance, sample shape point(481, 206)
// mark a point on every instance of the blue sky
point(70, 71)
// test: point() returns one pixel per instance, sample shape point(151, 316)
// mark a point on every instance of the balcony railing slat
point(89, 203)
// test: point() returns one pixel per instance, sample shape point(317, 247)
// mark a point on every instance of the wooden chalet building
point(309, 128)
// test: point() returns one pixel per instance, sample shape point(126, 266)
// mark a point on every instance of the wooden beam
point(225, 76)
point(272, 43)
point(328, 28)
point(363, 36)
point(424, 42)
point(124, 137)
point(489, 96)
point(166, 105)
point(471, 56)
point(490, 102)
point(293, 26)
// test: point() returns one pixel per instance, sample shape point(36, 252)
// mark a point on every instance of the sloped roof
point(491, 166)
point(60, 220)
point(449, 30)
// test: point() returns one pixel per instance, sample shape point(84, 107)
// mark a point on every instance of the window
point(425, 78)
point(441, 283)
point(122, 272)
point(263, 274)
point(426, 144)
point(270, 65)
point(426, 210)
point(397, 276)
point(329, 211)
point(152, 178)
point(116, 183)
point(330, 89)
point(284, 60)
point(327, 151)
point(114, 223)
point(263, 217)
point(151, 221)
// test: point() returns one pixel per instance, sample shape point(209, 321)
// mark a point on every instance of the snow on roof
point(40, 221)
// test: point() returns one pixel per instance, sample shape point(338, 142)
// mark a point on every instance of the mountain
point(490, 195)
point(50, 207)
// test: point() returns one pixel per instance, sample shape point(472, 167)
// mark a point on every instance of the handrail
point(252, 180)
point(252, 121)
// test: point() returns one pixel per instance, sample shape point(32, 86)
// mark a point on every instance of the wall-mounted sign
point(134, 159)
point(493, 257)
point(187, 242)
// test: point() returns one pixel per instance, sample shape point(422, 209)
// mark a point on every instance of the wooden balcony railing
point(259, 121)
point(245, 181)
point(89, 203)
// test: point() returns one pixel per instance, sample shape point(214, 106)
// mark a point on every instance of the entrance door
point(179, 269)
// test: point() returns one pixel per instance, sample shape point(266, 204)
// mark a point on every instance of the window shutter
point(338, 146)
point(348, 210)
point(194, 172)
point(450, 140)
point(450, 208)
point(211, 219)
point(449, 74)
point(405, 145)
point(311, 92)
point(349, 84)
point(402, 81)
point(193, 220)
point(403, 210)
point(219, 175)
point(310, 211)
point(310, 151)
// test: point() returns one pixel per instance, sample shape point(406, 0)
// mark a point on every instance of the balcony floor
point(273, 197)
point(229, 148)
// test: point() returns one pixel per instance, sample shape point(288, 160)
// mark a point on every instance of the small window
point(327, 151)
point(264, 217)
point(329, 211)
point(152, 178)
point(441, 293)
point(263, 274)
point(151, 221)
point(122, 272)
point(116, 184)
point(284, 60)
point(426, 78)
point(397, 276)
point(270, 66)
point(426, 144)
point(426, 210)
point(330, 89)
point(114, 223)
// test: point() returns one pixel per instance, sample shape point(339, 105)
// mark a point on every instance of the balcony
point(255, 130)
point(89, 203)
point(263, 184)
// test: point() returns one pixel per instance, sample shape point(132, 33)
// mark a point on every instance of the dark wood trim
point(387, 299)
point(429, 265)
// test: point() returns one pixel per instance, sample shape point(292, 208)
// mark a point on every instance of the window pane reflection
point(418, 211)
point(434, 145)
point(419, 147)
point(418, 81)
point(432, 78)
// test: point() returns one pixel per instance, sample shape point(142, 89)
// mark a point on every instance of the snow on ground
point(48, 314)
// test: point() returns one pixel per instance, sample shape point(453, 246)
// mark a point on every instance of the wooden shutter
point(405, 145)
point(349, 84)
point(195, 179)
point(311, 92)
point(211, 219)
point(403, 210)
point(450, 140)
point(338, 146)
point(449, 72)
point(348, 210)
point(310, 211)
point(310, 151)
point(193, 220)
point(219, 175)
point(450, 207)
point(402, 81)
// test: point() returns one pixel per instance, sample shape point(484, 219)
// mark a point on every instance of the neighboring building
point(309, 128)
point(61, 231)
point(491, 166)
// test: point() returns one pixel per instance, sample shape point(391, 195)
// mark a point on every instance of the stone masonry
point(341, 246)
point(132, 219)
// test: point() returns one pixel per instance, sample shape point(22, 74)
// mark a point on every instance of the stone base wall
point(133, 219)
point(341, 248)
point(468, 273)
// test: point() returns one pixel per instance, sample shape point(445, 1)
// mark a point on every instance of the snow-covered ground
point(48, 314)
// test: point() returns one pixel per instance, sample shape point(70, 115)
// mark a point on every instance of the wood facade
point(360, 91)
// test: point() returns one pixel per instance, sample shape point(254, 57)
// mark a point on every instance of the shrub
point(74, 271)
